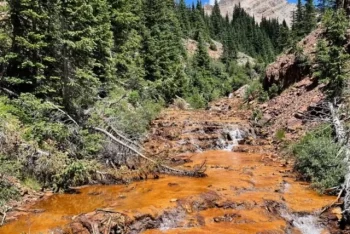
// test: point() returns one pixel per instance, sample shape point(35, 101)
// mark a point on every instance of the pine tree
point(199, 7)
point(82, 44)
point(5, 41)
point(284, 39)
point(298, 22)
point(201, 57)
point(199, 25)
point(25, 70)
point(183, 18)
point(331, 56)
point(299, 13)
point(127, 28)
point(309, 19)
point(163, 48)
point(216, 21)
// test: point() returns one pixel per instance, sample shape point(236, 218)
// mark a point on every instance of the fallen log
point(162, 167)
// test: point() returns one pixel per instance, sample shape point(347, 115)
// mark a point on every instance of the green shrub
point(91, 143)
point(75, 173)
point(134, 98)
point(35, 148)
point(7, 191)
point(213, 46)
point(197, 100)
point(301, 59)
point(254, 91)
point(274, 91)
point(257, 115)
point(239, 75)
point(10, 166)
point(132, 120)
point(320, 160)
point(280, 134)
point(263, 97)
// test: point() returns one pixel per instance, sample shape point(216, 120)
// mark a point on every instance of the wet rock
point(143, 224)
point(215, 108)
point(337, 212)
point(200, 220)
point(24, 192)
point(226, 218)
point(226, 204)
point(294, 124)
point(241, 148)
point(76, 228)
point(95, 193)
point(266, 118)
point(299, 115)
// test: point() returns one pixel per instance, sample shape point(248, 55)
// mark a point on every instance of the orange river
point(248, 180)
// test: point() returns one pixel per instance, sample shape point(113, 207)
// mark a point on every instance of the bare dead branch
point(63, 112)
point(339, 128)
point(4, 214)
point(333, 203)
point(9, 92)
point(166, 169)
point(124, 137)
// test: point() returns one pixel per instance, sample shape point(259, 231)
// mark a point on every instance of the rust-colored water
point(247, 180)
point(237, 177)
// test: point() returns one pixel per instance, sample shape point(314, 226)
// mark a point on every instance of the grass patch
point(32, 183)
point(280, 134)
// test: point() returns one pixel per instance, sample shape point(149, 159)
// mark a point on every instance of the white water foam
point(236, 135)
point(307, 224)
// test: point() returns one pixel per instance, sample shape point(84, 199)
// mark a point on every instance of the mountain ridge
point(280, 9)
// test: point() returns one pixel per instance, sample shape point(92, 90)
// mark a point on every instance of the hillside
point(192, 45)
point(279, 9)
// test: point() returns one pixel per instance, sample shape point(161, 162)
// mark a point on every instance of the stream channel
point(244, 192)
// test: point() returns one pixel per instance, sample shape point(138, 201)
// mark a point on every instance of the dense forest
point(67, 67)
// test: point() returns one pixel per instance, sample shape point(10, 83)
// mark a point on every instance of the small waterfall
point(232, 137)
point(236, 136)
point(306, 224)
point(229, 147)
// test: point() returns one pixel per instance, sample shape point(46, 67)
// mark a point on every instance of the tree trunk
point(347, 7)
point(344, 4)
point(343, 140)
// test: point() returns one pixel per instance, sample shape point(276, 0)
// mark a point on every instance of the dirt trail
point(243, 192)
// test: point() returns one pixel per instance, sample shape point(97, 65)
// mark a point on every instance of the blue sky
point(206, 1)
